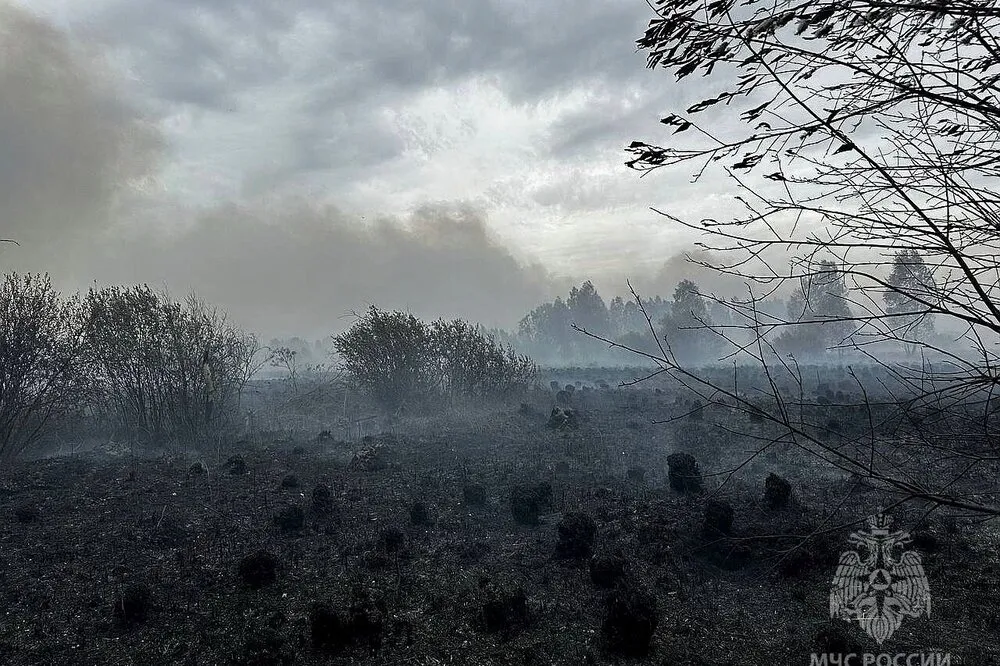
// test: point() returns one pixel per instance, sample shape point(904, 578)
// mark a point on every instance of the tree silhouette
point(910, 276)
point(587, 309)
point(819, 307)
point(686, 326)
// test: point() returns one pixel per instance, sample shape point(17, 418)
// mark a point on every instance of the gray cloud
point(354, 58)
point(539, 47)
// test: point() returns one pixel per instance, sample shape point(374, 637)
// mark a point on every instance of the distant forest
point(699, 328)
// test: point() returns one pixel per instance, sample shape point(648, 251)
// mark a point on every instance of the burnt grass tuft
point(291, 518)
point(577, 532)
point(630, 620)
point(420, 515)
point(132, 604)
point(504, 608)
point(607, 569)
point(322, 500)
point(529, 500)
point(718, 522)
point(474, 494)
point(258, 569)
point(236, 465)
point(684, 473)
point(777, 491)
point(333, 630)
point(266, 646)
point(391, 540)
point(27, 514)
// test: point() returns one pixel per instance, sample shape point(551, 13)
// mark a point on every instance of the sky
point(296, 162)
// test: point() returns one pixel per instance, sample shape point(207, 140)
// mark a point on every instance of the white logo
point(882, 584)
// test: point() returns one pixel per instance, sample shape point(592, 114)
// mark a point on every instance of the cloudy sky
point(295, 161)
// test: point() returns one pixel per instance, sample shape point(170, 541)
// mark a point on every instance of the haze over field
point(317, 346)
point(296, 163)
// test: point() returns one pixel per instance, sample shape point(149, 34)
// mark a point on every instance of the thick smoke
point(295, 267)
point(69, 148)
point(72, 153)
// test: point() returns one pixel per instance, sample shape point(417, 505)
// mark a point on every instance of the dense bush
point(473, 364)
point(390, 355)
point(165, 370)
point(400, 359)
point(42, 359)
point(150, 369)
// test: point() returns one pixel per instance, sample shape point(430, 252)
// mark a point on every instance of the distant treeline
point(815, 321)
point(700, 329)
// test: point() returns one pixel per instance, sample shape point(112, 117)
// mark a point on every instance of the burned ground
point(419, 559)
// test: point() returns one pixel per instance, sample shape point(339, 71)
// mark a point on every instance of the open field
point(402, 547)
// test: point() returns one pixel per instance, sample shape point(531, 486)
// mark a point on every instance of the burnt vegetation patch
point(291, 518)
point(133, 604)
point(528, 501)
point(322, 500)
point(606, 579)
point(777, 491)
point(684, 473)
point(630, 620)
point(27, 514)
point(607, 569)
point(474, 494)
point(577, 532)
point(258, 569)
point(333, 630)
point(503, 608)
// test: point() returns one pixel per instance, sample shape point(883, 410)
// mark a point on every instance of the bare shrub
point(165, 370)
point(41, 360)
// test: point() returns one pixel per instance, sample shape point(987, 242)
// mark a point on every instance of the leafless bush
point(42, 345)
point(165, 370)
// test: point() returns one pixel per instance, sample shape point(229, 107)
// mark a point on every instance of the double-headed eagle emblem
point(880, 583)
